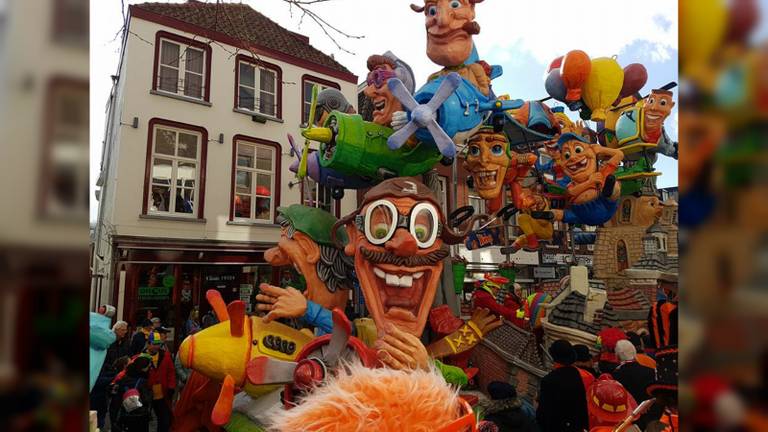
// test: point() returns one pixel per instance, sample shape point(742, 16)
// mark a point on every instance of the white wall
point(129, 153)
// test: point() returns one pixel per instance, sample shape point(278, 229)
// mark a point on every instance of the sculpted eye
point(455, 4)
point(497, 150)
point(578, 149)
point(474, 150)
point(651, 101)
point(380, 231)
point(567, 155)
point(663, 102)
point(432, 10)
point(422, 233)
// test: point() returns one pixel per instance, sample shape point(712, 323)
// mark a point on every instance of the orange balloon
point(574, 72)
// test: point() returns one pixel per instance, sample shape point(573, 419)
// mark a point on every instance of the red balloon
point(575, 71)
point(635, 77)
point(555, 64)
point(743, 15)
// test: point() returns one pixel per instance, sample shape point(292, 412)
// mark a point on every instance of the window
point(622, 260)
point(70, 21)
point(306, 92)
point(175, 171)
point(182, 66)
point(65, 190)
point(626, 211)
point(315, 195)
point(442, 193)
point(258, 87)
point(478, 203)
point(254, 181)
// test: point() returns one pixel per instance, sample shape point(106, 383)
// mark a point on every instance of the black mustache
point(384, 257)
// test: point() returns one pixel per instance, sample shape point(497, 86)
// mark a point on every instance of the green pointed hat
point(314, 222)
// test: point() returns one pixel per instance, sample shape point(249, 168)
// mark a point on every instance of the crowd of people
point(140, 377)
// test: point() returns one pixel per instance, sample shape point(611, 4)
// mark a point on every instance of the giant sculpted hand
point(281, 302)
point(400, 350)
point(466, 337)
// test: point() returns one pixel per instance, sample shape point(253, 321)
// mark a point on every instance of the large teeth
point(405, 281)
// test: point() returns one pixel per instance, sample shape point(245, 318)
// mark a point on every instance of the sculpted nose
point(402, 243)
point(444, 16)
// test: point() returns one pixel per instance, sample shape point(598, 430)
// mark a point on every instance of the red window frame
point(187, 41)
point(203, 158)
point(278, 77)
point(278, 171)
point(314, 79)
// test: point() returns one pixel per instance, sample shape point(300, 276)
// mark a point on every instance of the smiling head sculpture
point(450, 26)
point(487, 161)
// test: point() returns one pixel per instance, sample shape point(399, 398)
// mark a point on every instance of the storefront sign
point(544, 272)
point(566, 259)
point(245, 295)
point(220, 278)
point(154, 293)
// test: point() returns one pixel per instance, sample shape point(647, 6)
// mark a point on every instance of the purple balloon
point(555, 86)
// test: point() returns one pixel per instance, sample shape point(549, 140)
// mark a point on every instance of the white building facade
point(196, 157)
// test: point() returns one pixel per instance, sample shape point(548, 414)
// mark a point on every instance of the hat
point(403, 71)
point(314, 222)
point(609, 401)
point(155, 320)
point(582, 353)
point(501, 390)
point(145, 323)
point(568, 136)
point(562, 352)
point(154, 338)
point(607, 338)
point(666, 371)
point(163, 330)
point(625, 350)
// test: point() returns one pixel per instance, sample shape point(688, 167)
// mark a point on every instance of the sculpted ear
point(309, 247)
point(352, 234)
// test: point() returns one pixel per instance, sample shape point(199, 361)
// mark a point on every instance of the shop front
point(170, 282)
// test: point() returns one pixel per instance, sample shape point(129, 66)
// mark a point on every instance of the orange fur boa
point(364, 399)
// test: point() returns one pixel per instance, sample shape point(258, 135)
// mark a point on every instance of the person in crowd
point(209, 319)
point(584, 360)
point(642, 358)
point(131, 388)
point(139, 340)
point(156, 323)
point(115, 400)
point(192, 325)
point(162, 380)
point(562, 397)
point(121, 347)
point(507, 411)
point(609, 404)
point(634, 377)
point(606, 340)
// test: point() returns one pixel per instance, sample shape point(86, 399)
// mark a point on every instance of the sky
point(522, 37)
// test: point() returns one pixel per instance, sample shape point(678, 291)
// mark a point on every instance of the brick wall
point(492, 366)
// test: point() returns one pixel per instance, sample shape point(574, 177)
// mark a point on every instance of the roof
point(244, 24)
point(517, 346)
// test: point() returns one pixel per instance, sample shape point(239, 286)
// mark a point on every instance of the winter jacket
point(511, 415)
point(562, 402)
point(164, 374)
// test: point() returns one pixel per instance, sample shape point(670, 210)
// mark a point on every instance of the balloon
point(603, 86)
point(555, 64)
point(702, 28)
point(635, 77)
point(554, 85)
point(575, 70)
point(743, 15)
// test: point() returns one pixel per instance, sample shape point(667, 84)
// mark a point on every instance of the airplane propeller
point(424, 115)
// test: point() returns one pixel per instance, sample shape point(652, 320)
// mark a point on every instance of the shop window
point(626, 211)
point(175, 171)
point(622, 260)
point(255, 180)
point(258, 87)
point(64, 190)
point(182, 66)
point(238, 282)
point(307, 82)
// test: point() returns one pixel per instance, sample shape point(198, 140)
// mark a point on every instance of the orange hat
point(609, 401)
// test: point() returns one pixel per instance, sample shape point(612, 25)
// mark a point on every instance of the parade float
point(296, 363)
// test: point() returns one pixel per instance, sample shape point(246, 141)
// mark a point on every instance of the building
point(196, 160)
point(44, 113)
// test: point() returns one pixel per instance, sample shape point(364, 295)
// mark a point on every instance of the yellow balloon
point(602, 86)
point(702, 27)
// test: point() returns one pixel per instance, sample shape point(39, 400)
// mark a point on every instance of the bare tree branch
point(325, 26)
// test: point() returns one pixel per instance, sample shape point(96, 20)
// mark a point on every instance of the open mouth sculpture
point(402, 284)
point(487, 179)
point(578, 166)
